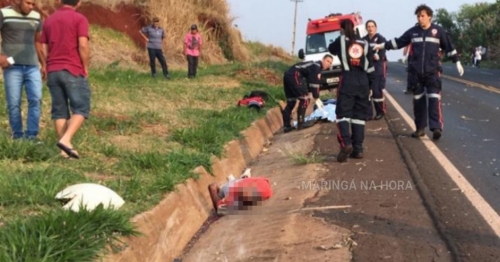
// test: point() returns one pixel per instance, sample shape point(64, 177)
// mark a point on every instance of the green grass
point(64, 236)
point(144, 136)
point(306, 159)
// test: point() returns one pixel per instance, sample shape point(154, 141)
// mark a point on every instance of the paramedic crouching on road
point(379, 63)
point(425, 80)
point(354, 90)
point(295, 86)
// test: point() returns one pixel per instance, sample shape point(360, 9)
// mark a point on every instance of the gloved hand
point(460, 68)
point(378, 47)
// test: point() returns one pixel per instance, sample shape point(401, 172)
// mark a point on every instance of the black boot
point(379, 116)
point(357, 155)
point(436, 134)
point(344, 153)
point(357, 138)
point(287, 127)
point(418, 133)
point(301, 115)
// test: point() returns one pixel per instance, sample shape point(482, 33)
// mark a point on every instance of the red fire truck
point(320, 33)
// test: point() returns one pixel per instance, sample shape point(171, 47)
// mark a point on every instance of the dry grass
point(214, 24)
point(103, 50)
point(222, 41)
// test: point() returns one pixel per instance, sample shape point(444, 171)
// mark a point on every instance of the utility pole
point(294, 23)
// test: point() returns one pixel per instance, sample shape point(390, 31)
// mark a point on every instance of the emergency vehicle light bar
point(316, 23)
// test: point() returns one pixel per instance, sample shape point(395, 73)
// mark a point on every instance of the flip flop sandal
point(67, 150)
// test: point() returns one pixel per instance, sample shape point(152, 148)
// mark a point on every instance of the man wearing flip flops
point(66, 45)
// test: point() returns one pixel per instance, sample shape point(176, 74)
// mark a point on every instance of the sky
point(271, 21)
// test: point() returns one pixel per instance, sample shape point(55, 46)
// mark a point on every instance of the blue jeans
point(15, 77)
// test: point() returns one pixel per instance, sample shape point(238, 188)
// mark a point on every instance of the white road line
point(485, 73)
point(486, 211)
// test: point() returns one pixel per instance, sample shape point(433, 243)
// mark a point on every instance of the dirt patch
point(264, 75)
point(127, 19)
point(156, 130)
point(273, 231)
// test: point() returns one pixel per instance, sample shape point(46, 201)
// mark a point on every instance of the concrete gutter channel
point(169, 226)
point(178, 223)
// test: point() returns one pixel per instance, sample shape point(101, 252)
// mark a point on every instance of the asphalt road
point(470, 142)
point(471, 137)
point(485, 76)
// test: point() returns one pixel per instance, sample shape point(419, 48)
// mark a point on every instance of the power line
point(295, 23)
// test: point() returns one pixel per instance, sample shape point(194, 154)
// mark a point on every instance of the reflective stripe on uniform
point(305, 65)
point(370, 70)
point(452, 53)
point(314, 85)
point(379, 99)
point(366, 54)
point(417, 97)
point(345, 119)
point(344, 53)
point(438, 96)
point(358, 122)
point(417, 39)
point(394, 44)
point(432, 40)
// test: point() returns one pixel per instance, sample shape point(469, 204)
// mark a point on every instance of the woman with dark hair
point(380, 65)
point(354, 90)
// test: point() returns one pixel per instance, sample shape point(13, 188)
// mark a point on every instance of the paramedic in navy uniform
point(379, 62)
point(425, 81)
point(354, 90)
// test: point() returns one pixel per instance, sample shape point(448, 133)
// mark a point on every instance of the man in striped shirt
point(20, 27)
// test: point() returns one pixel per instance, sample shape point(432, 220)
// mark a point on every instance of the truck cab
point(320, 33)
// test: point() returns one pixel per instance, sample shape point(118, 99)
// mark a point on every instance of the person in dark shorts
point(65, 38)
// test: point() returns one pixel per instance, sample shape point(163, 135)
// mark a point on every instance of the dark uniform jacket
point(425, 44)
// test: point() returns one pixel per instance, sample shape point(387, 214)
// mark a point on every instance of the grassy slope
point(144, 136)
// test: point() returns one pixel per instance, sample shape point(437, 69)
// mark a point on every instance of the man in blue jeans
point(65, 38)
point(20, 27)
point(154, 35)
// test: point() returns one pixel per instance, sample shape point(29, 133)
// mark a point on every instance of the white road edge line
point(486, 211)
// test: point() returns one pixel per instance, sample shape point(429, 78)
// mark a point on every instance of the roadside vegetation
point(471, 26)
point(144, 136)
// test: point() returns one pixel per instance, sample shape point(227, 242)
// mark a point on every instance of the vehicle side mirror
point(301, 54)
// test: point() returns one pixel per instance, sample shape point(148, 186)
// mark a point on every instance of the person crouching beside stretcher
point(239, 194)
point(354, 91)
point(298, 80)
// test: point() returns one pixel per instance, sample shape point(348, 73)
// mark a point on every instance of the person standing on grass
point(192, 47)
point(65, 40)
point(20, 27)
point(154, 35)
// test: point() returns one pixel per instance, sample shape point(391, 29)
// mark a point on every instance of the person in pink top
point(192, 47)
